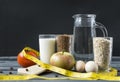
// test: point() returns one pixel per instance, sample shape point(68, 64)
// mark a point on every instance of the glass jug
point(83, 33)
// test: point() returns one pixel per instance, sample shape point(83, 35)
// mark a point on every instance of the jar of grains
point(102, 47)
point(63, 42)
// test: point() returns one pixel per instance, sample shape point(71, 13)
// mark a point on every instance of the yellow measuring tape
point(70, 75)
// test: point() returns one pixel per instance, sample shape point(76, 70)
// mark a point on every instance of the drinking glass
point(102, 47)
point(46, 47)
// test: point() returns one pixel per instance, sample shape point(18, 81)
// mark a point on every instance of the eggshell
point(80, 66)
point(91, 66)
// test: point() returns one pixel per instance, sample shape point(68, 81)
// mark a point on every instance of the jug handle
point(102, 28)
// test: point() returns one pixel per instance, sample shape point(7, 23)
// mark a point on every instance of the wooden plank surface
point(9, 65)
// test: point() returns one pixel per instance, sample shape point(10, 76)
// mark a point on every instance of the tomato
point(22, 61)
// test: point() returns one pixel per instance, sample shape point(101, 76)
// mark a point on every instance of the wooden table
point(8, 65)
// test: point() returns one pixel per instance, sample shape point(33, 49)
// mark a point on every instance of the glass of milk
point(46, 47)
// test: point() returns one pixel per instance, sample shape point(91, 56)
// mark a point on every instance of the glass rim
point(103, 37)
point(53, 34)
point(110, 38)
point(84, 15)
point(47, 35)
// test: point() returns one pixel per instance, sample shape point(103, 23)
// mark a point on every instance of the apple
point(22, 61)
point(63, 60)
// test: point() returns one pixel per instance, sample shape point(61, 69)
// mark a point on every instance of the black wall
point(21, 21)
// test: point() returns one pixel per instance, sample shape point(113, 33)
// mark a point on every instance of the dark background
point(21, 21)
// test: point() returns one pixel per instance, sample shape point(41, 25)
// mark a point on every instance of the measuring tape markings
point(27, 77)
point(15, 77)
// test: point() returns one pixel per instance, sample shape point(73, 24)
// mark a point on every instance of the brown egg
point(80, 66)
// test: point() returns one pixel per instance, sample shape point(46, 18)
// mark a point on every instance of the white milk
point(47, 48)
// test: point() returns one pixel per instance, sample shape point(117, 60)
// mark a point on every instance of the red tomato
point(22, 61)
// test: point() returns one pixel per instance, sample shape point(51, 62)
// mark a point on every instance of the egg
point(80, 66)
point(91, 66)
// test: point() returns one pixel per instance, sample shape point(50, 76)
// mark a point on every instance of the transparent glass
point(46, 47)
point(102, 47)
point(83, 32)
